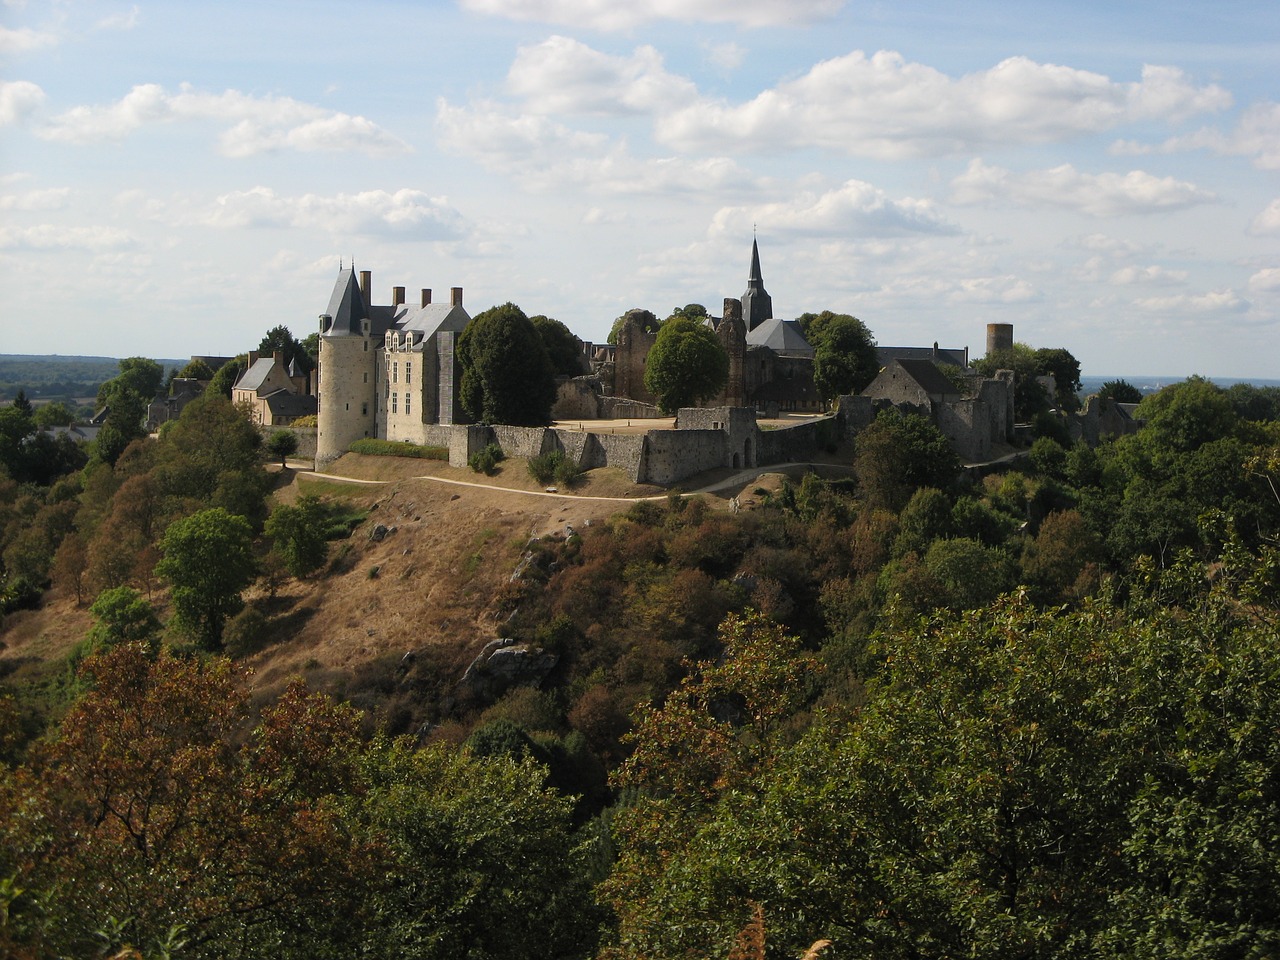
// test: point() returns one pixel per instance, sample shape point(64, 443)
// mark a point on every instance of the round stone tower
point(347, 390)
point(999, 337)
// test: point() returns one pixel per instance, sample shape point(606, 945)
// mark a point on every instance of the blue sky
point(176, 178)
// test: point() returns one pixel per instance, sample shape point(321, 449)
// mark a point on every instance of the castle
point(385, 372)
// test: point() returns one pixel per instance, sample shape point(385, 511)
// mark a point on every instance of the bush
point(394, 448)
point(246, 633)
point(554, 465)
point(487, 460)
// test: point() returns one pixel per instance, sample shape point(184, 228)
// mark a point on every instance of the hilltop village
point(392, 372)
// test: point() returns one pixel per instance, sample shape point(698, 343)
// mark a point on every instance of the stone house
point(276, 393)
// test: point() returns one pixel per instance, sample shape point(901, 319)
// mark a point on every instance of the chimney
point(426, 296)
point(397, 296)
point(366, 291)
point(253, 357)
point(278, 357)
point(455, 296)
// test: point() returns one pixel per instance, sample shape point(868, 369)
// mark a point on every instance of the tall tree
point(278, 338)
point(896, 455)
point(844, 359)
point(225, 377)
point(1058, 363)
point(564, 350)
point(208, 558)
point(1029, 397)
point(506, 374)
point(687, 365)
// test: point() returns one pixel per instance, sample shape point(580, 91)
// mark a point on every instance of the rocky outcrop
point(505, 663)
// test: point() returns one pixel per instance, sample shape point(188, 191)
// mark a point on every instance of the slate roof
point(282, 403)
point(433, 318)
point(955, 357)
point(783, 337)
point(928, 376)
point(346, 305)
point(255, 376)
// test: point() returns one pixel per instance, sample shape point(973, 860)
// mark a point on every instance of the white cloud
point(122, 20)
point(1002, 289)
point(406, 213)
point(258, 124)
point(54, 198)
point(1213, 302)
point(726, 56)
point(1266, 280)
point(561, 75)
point(50, 237)
point(615, 15)
point(1098, 195)
point(1256, 135)
point(18, 99)
point(1268, 221)
point(1104, 244)
point(1155, 276)
point(883, 106)
point(543, 155)
point(24, 40)
point(855, 209)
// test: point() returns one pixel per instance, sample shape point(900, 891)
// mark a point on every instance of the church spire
point(757, 305)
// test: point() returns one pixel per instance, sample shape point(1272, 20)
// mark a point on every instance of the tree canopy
point(687, 365)
point(278, 338)
point(506, 374)
point(564, 350)
point(1121, 391)
point(845, 359)
point(208, 559)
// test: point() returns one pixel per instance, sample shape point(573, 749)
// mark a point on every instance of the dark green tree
point(196, 369)
point(121, 615)
point(844, 359)
point(1121, 391)
point(56, 414)
point(281, 444)
point(896, 455)
point(687, 365)
point(138, 375)
point(1029, 397)
point(1185, 415)
point(278, 338)
point(225, 377)
point(506, 374)
point(208, 559)
point(564, 350)
point(298, 535)
point(126, 411)
point(1065, 370)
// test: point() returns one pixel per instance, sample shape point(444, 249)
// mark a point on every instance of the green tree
point(844, 359)
point(1185, 415)
point(225, 377)
point(121, 615)
point(687, 365)
point(124, 423)
point(1121, 391)
point(506, 374)
point(196, 369)
point(208, 559)
point(56, 414)
point(298, 534)
point(1065, 370)
point(693, 311)
point(897, 454)
point(1029, 397)
point(138, 375)
point(278, 338)
point(281, 444)
point(564, 350)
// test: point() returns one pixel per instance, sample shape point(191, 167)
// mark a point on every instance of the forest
point(912, 713)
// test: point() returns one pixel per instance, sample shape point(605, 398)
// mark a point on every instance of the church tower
point(757, 305)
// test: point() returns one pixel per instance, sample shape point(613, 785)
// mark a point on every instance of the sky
point(176, 178)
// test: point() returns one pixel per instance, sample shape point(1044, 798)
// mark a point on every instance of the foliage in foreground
point(149, 818)
point(394, 448)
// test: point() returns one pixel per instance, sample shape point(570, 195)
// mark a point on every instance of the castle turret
point(999, 337)
point(346, 378)
point(757, 305)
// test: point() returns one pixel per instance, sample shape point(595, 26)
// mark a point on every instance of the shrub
point(395, 448)
point(487, 460)
point(554, 465)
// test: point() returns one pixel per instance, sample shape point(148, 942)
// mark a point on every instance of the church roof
point(956, 356)
point(782, 337)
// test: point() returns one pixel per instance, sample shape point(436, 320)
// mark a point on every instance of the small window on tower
point(395, 373)
point(408, 371)
point(364, 409)
point(393, 402)
point(366, 378)
point(407, 398)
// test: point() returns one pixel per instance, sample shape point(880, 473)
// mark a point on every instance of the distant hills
point(57, 377)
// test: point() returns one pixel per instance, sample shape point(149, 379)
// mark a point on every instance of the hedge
point(393, 448)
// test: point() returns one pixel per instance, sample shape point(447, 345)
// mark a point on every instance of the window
point(364, 409)
point(407, 398)
point(408, 371)
point(393, 402)
point(395, 373)
point(366, 378)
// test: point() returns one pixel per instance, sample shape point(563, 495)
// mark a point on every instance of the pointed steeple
point(346, 304)
point(757, 305)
